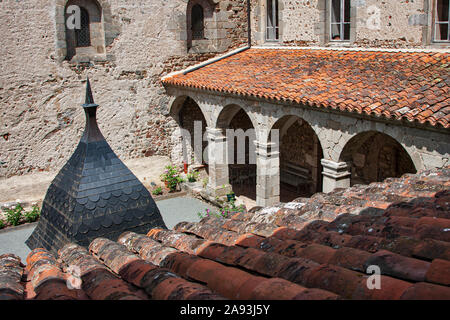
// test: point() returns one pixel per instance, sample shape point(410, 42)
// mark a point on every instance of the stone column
point(335, 175)
point(268, 174)
point(218, 183)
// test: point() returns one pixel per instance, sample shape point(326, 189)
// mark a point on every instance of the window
point(86, 41)
point(83, 35)
point(441, 21)
point(272, 29)
point(340, 20)
point(197, 22)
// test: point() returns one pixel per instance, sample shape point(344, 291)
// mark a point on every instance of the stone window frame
point(434, 23)
point(208, 43)
point(428, 26)
point(341, 24)
point(200, 16)
point(108, 33)
point(263, 22)
point(325, 21)
point(275, 13)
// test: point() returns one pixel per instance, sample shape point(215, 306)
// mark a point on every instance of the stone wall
point(40, 93)
point(375, 23)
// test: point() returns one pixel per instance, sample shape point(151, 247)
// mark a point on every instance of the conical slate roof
point(94, 195)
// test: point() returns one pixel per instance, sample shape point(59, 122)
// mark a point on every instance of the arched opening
point(198, 23)
point(300, 155)
point(240, 133)
point(86, 38)
point(375, 156)
point(191, 120)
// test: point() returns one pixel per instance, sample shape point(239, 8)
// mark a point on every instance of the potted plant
point(192, 176)
point(171, 178)
point(158, 191)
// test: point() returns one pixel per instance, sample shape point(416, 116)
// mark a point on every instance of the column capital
point(335, 170)
point(269, 149)
point(215, 134)
point(335, 175)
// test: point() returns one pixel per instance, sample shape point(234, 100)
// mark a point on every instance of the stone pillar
point(268, 174)
point(218, 183)
point(335, 175)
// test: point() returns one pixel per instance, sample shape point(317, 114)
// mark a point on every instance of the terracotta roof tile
point(97, 281)
point(11, 270)
point(397, 85)
point(426, 291)
point(46, 279)
point(311, 248)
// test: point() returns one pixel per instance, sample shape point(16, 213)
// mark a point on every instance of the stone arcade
point(338, 124)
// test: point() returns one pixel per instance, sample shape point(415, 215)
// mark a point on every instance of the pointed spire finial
point(89, 100)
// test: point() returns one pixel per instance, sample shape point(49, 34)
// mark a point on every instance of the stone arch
point(375, 156)
point(300, 153)
point(190, 117)
point(227, 113)
point(241, 149)
point(102, 31)
point(316, 123)
point(405, 136)
point(176, 105)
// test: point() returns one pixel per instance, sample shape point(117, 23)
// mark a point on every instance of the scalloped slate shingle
point(94, 195)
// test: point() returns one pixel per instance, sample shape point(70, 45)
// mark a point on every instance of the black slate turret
point(94, 195)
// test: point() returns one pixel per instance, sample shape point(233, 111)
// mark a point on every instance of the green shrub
point(13, 216)
point(224, 212)
point(192, 176)
point(33, 215)
point(2, 224)
point(157, 191)
point(172, 177)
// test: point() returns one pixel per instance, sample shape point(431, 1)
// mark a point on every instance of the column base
point(218, 191)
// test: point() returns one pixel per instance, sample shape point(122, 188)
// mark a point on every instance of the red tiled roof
point(397, 85)
point(311, 248)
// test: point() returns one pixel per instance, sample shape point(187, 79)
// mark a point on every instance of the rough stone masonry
point(40, 120)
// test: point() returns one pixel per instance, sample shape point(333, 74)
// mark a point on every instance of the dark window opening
point(441, 21)
point(198, 26)
point(272, 32)
point(83, 36)
point(340, 20)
